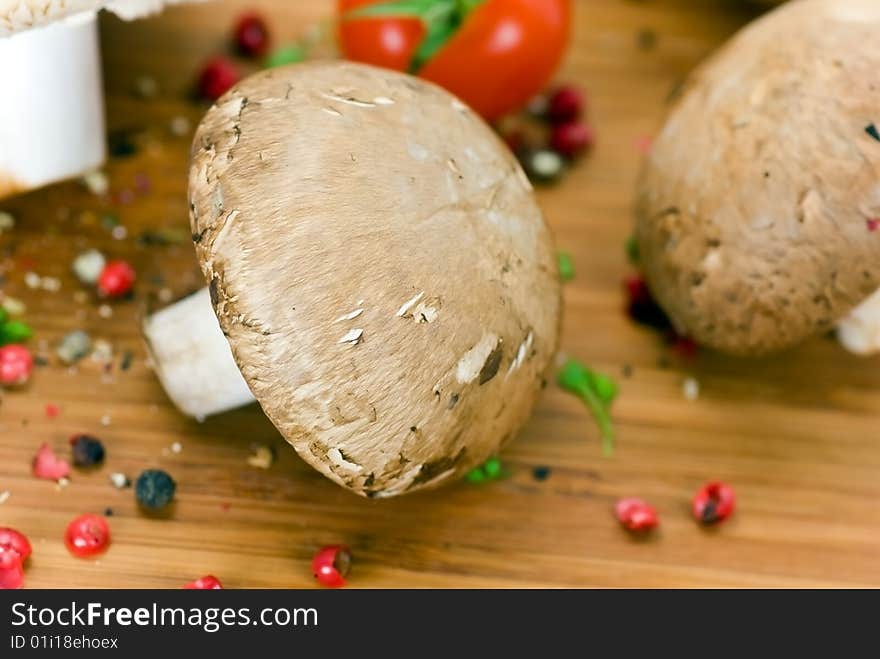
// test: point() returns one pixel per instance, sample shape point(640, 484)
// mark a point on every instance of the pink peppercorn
point(565, 104)
point(16, 365)
point(217, 77)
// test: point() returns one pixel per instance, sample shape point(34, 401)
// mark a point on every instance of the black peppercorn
point(154, 489)
point(88, 451)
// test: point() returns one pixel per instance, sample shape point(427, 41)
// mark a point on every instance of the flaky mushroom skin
point(380, 267)
point(752, 206)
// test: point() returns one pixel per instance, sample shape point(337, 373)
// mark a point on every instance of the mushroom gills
point(193, 359)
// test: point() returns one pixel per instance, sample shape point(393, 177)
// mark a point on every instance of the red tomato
point(502, 55)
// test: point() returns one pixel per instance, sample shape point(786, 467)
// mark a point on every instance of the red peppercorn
point(641, 306)
point(87, 535)
point(16, 365)
point(636, 515)
point(251, 35)
point(683, 346)
point(565, 104)
point(11, 571)
point(15, 541)
point(714, 502)
point(572, 139)
point(48, 465)
point(873, 224)
point(52, 410)
point(331, 565)
point(116, 279)
point(14, 551)
point(208, 582)
point(217, 77)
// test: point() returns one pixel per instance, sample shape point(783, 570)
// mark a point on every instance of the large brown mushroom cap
point(380, 267)
point(752, 207)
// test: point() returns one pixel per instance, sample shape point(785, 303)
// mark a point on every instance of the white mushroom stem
point(859, 332)
point(193, 360)
point(52, 114)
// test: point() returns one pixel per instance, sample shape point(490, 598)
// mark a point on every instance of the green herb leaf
point(4, 315)
point(492, 468)
point(566, 266)
point(598, 391)
point(289, 54)
point(632, 250)
point(14, 331)
point(603, 420)
point(605, 388)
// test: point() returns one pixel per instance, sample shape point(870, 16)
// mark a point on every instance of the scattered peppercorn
point(565, 104)
point(714, 502)
point(208, 582)
point(217, 77)
point(154, 489)
point(289, 54)
point(49, 466)
point(636, 515)
point(542, 165)
point(331, 565)
point(541, 473)
point(88, 265)
point(74, 346)
point(116, 279)
point(261, 456)
point(646, 39)
point(87, 535)
point(251, 35)
point(120, 481)
point(641, 306)
point(16, 365)
point(871, 129)
point(572, 139)
point(88, 451)
point(14, 551)
point(873, 224)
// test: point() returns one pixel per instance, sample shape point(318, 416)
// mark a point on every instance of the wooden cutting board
point(796, 435)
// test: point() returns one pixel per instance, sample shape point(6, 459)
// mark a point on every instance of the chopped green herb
point(605, 387)
point(289, 54)
point(632, 250)
point(597, 391)
point(492, 468)
point(566, 266)
point(14, 331)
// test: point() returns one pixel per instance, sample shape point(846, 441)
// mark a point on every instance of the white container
point(51, 104)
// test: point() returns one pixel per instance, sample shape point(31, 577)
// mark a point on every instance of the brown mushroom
point(754, 207)
point(380, 268)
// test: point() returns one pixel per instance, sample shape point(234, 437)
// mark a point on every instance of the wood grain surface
point(796, 435)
